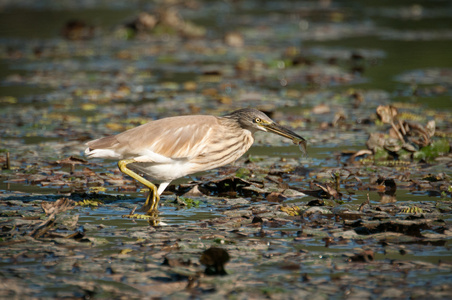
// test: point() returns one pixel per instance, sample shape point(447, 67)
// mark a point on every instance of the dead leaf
point(214, 259)
point(375, 141)
point(430, 128)
point(291, 210)
point(363, 256)
point(51, 209)
point(386, 113)
point(58, 206)
point(330, 191)
point(194, 192)
point(175, 262)
point(276, 197)
point(321, 109)
point(234, 39)
point(360, 153)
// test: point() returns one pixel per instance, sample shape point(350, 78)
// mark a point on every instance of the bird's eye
point(257, 120)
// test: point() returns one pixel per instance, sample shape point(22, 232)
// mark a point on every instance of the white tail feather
point(103, 153)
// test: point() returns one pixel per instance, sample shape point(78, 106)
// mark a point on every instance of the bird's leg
point(151, 204)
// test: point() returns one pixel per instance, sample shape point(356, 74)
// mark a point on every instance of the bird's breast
point(222, 150)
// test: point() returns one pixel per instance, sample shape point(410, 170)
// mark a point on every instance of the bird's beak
point(283, 131)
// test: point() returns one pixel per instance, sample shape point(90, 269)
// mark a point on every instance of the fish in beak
point(287, 133)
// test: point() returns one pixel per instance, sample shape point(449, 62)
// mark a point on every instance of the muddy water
point(20, 25)
point(401, 39)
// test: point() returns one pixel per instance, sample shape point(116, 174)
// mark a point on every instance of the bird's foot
point(151, 216)
point(151, 205)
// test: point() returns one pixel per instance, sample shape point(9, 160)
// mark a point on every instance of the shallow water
point(56, 94)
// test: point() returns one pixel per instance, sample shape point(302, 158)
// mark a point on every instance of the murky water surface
point(55, 94)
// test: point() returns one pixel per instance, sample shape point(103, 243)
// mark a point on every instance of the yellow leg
point(152, 201)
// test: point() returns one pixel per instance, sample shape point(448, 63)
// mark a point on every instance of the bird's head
point(254, 120)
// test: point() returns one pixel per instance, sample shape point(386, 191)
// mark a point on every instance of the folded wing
point(166, 139)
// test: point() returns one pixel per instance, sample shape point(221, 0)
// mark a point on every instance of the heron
point(171, 148)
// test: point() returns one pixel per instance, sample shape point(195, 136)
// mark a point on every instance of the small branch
point(399, 135)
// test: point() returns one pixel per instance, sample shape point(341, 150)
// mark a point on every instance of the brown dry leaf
point(190, 86)
point(321, 109)
point(275, 197)
point(339, 117)
point(376, 140)
point(58, 206)
point(430, 128)
point(89, 172)
point(194, 192)
point(419, 134)
point(171, 17)
point(363, 256)
point(175, 262)
point(331, 192)
point(211, 92)
point(51, 209)
point(234, 39)
point(386, 113)
point(360, 153)
point(393, 133)
point(145, 21)
point(393, 145)
point(225, 100)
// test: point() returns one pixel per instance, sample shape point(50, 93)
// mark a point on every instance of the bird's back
point(174, 137)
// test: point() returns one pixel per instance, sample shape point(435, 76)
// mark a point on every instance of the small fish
point(302, 145)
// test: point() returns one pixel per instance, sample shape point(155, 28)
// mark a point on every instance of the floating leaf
point(97, 189)
point(243, 173)
point(413, 210)
point(125, 251)
point(437, 148)
point(58, 206)
point(291, 210)
point(188, 202)
point(89, 202)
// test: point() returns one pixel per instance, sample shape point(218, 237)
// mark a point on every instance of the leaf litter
point(370, 217)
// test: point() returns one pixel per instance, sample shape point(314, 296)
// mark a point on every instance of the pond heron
point(174, 147)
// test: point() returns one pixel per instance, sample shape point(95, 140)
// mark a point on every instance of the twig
point(399, 135)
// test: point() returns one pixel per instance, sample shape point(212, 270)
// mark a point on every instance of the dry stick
point(133, 210)
point(42, 228)
point(8, 164)
point(338, 182)
point(361, 207)
point(397, 131)
point(402, 127)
